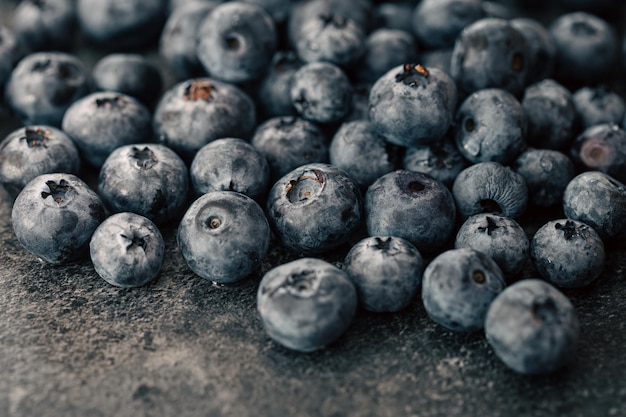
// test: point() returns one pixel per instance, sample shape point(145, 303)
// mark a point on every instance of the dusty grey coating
point(197, 111)
point(533, 327)
point(126, 250)
point(458, 286)
point(386, 271)
point(34, 150)
point(54, 217)
point(501, 238)
point(115, 120)
point(490, 187)
point(598, 200)
point(567, 253)
point(412, 105)
point(306, 304)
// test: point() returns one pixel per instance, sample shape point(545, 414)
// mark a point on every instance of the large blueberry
point(598, 200)
point(385, 49)
point(321, 92)
point(490, 187)
point(289, 142)
point(567, 253)
point(490, 53)
point(458, 286)
point(599, 105)
point(413, 206)
point(34, 150)
point(43, 85)
point(437, 23)
point(532, 327)
point(127, 250)
point(55, 215)
point(502, 238)
point(236, 41)
point(198, 111)
point(602, 148)
point(359, 150)
point(491, 126)
point(130, 74)
point(551, 115)
point(441, 160)
point(224, 236)
point(46, 25)
point(314, 208)
point(386, 271)
point(230, 164)
point(546, 172)
point(104, 121)
point(411, 105)
point(306, 304)
point(147, 179)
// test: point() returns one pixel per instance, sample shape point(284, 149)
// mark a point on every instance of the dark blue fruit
point(601, 148)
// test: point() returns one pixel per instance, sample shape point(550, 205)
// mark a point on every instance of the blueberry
point(34, 150)
point(395, 15)
point(321, 92)
point(586, 48)
point(177, 45)
point(547, 173)
point(359, 150)
point(411, 105)
point(437, 58)
point(386, 271)
point(130, 74)
point(551, 115)
point(54, 217)
point(542, 50)
point(274, 90)
point(289, 142)
point(127, 250)
point(490, 187)
point(46, 25)
point(491, 126)
point(598, 200)
point(437, 23)
point(224, 236)
point(602, 148)
point(441, 160)
point(124, 24)
point(314, 208)
point(413, 206)
point(43, 85)
point(532, 327)
point(306, 304)
point(385, 49)
point(330, 38)
point(12, 49)
point(490, 53)
point(198, 111)
point(598, 105)
point(499, 237)
point(458, 286)
point(567, 253)
point(104, 121)
point(236, 41)
point(230, 164)
point(147, 179)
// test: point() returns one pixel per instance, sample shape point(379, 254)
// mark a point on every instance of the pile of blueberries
point(413, 134)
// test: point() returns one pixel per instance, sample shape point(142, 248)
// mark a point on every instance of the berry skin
point(12, 49)
point(602, 148)
point(413, 206)
point(146, 178)
point(532, 327)
point(412, 105)
point(224, 236)
point(437, 23)
point(567, 253)
point(54, 217)
point(458, 286)
point(598, 105)
point(314, 208)
point(441, 160)
point(46, 25)
point(542, 50)
point(386, 271)
point(306, 304)
point(34, 150)
point(127, 250)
